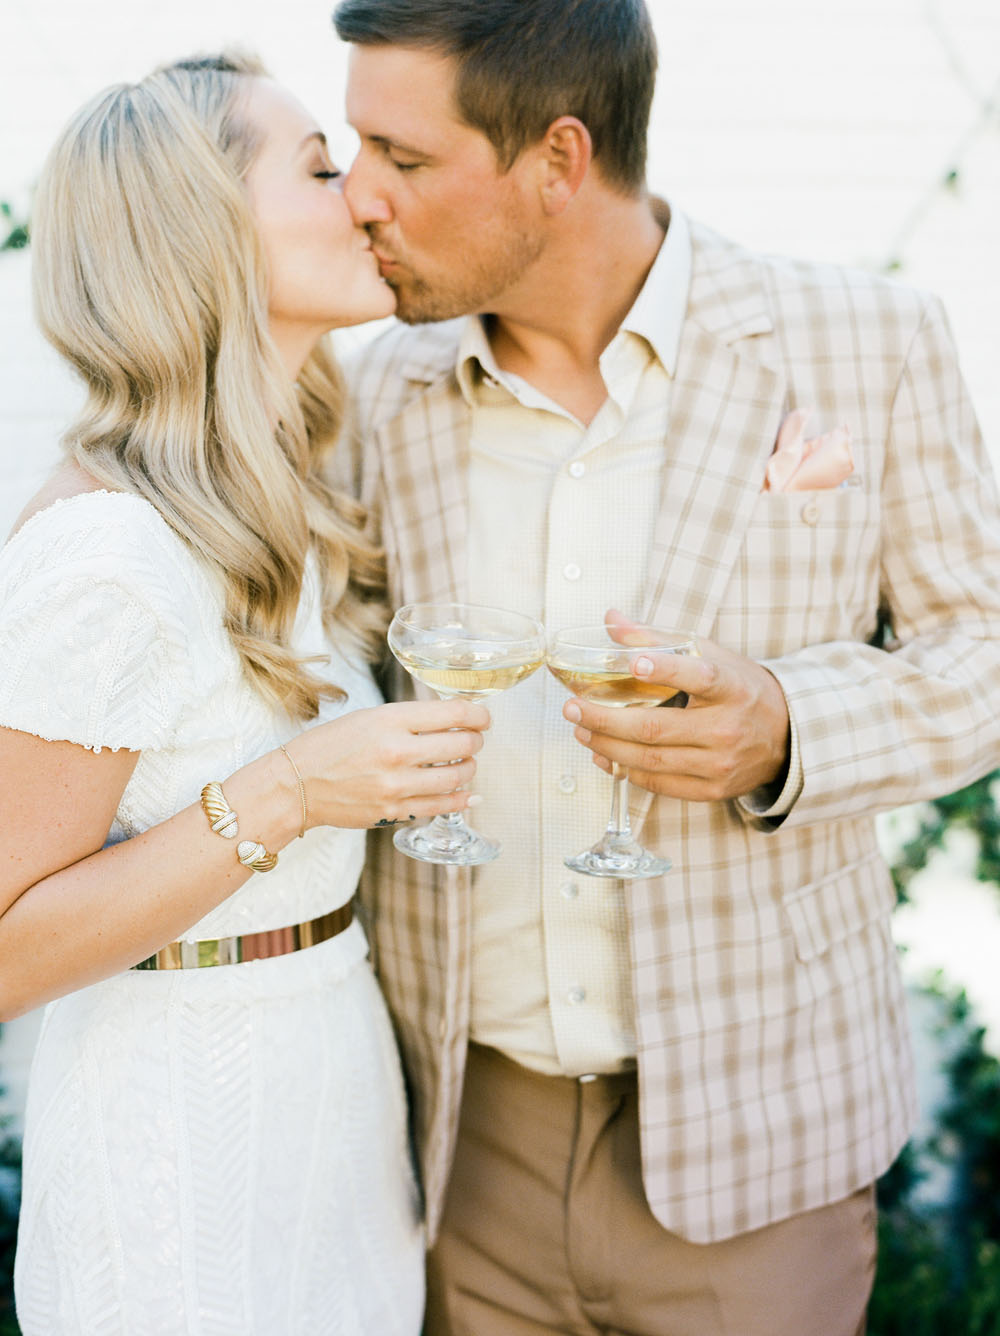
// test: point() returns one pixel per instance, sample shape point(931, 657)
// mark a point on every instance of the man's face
point(452, 233)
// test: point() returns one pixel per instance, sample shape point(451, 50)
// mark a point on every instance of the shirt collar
point(657, 315)
point(474, 359)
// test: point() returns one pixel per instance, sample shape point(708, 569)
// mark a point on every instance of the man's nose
point(366, 203)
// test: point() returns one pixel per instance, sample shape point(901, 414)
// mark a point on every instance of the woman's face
point(321, 270)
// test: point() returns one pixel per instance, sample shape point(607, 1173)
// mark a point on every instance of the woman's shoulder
point(96, 533)
point(72, 500)
point(104, 618)
point(63, 484)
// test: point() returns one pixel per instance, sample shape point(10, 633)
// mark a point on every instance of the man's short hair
point(520, 64)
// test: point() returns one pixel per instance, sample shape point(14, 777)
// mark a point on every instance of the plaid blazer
point(774, 1063)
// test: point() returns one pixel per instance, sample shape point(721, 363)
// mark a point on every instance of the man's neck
point(553, 333)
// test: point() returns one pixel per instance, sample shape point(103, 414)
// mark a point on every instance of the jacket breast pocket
point(807, 572)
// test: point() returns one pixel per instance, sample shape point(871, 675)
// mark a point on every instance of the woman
point(216, 1132)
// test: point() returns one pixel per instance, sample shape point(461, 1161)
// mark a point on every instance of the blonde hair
point(150, 280)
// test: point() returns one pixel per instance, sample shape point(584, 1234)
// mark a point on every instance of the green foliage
point(14, 235)
point(939, 1261)
point(973, 809)
point(10, 1191)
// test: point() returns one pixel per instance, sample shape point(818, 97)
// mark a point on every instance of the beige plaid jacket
point(774, 1063)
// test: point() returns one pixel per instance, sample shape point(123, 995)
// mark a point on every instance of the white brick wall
point(796, 126)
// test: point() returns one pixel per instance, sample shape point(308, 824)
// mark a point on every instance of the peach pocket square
point(798, 465)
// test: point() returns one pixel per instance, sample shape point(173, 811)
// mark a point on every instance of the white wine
point(613, 687)
point(595, 663)
point(461, 650)
point(462, 669)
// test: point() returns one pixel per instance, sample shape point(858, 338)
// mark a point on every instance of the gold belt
point(249, 945)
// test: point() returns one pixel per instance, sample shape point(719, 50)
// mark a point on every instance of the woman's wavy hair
point(149, 278)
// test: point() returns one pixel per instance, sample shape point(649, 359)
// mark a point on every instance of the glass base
point(446, 841)
point(625, 859)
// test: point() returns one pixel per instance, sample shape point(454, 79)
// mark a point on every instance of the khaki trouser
point(546, 1229)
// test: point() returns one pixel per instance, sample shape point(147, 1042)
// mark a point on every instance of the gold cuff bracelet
point(223, 821)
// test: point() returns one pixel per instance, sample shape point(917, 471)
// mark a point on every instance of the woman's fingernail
point(643, 666)
point(474, 800)
point(573, 713)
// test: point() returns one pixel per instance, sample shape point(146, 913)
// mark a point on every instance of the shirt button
point(810, 512)
point(572, 571)
point(567, 784)
point(569, 890)
point(576, 995)
point(577, 469)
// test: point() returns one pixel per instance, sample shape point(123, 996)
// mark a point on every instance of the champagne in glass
point(592, 664)
point(458, 649)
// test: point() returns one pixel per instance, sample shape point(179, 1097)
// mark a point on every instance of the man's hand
point(731, 738)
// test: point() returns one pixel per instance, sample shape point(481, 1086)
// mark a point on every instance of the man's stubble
point(470, 284)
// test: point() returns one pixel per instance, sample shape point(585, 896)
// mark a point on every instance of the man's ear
point(565, 153)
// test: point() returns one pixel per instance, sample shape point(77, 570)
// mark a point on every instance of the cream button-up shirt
point(560, 524)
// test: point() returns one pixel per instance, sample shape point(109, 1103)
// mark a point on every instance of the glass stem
point(618, 822)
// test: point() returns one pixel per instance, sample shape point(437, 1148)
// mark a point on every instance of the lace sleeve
point(88, 650)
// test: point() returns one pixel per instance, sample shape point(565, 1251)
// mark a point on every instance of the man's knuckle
point(655, 760)
point(649, 730)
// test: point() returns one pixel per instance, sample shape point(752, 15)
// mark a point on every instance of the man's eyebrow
point(384, 141)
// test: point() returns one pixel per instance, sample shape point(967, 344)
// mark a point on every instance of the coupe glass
point(459, 649)
point(593, 665)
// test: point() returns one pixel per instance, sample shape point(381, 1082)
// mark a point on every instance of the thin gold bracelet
point(223, 821)
point(302, 789)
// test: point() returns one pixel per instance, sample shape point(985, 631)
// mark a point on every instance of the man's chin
point(421, 314)
point(409, 317)
point(422, 307)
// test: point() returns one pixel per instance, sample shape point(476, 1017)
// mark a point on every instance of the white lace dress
point(214, 1152)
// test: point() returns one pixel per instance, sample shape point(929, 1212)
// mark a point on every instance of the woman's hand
point(389, 763)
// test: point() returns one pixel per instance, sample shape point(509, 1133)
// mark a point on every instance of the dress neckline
point(71, 501)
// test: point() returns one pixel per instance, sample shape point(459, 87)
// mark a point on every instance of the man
point(656, 1107)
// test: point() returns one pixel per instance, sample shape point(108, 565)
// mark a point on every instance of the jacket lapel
point(726, 407)
point(424, 458)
